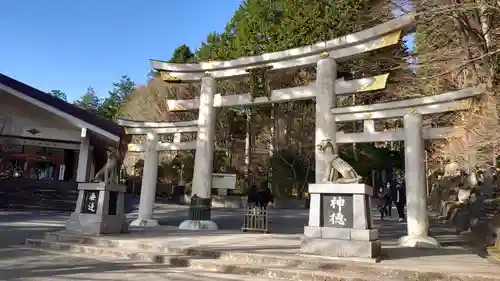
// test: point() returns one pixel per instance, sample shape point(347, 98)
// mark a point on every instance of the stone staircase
point(263, 265)
point(29, 194)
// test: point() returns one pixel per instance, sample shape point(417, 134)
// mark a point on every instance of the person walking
point(263, 196)
point(388, 200)
point(382, 202)
point(399, 199)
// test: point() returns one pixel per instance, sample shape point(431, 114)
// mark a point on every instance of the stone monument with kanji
point(100, 205)
point(340, 222)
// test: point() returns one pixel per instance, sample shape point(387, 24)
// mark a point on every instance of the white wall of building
point(20, 117)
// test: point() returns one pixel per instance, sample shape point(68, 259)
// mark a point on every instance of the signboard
point(90, 199)
point(62, 169)
point(223, 181)
point(337, 210)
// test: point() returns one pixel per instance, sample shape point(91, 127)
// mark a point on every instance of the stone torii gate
point(386, 34)
point(326, 90)
point(152, 130)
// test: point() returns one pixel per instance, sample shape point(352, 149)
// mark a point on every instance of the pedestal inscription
point(90, 198)
point(337, 210)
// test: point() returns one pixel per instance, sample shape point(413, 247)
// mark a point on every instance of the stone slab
point(101, 186)
point(341, 248)
point(97, 225)
point(198, 225)
point(361, 212)
point(312, 231)
point(315, 212)
point(336, 233)
point(144, 223)
point(364, 234)
point(418, 242)
point(341, 233)
point(341, 188)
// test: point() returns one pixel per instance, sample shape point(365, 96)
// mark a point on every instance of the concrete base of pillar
point(418, 242)
point(338, 248)
point(198, 225)
point(144, 223)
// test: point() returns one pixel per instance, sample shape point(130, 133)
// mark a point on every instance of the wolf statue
point(109, 173)
point(335, 163)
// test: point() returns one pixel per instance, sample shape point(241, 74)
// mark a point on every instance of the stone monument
point(340, 222)
point(100, 206)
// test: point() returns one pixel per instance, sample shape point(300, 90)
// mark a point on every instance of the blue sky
point(70, 45)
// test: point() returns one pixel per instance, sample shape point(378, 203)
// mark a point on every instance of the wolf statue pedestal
point(99, 209)
point(340, 222)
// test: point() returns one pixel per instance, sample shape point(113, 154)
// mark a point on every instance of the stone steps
point(286, 273)
point(38, 200)
point(111, 252)
point(228, 267)
point(135, 270)
point(275, 265)
point(31, 194)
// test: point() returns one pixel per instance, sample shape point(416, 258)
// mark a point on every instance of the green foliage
point(58, 94)
point(180, 167)
point(90, 101)
point(370, 157)
point(260, 26)
point(182, 54)
point(120, 93)
point(291, 172)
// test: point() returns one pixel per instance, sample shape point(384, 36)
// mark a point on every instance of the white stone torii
point(325, 92)
point(151, 148)
point(344, 47)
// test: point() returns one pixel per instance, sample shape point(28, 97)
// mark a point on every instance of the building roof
point(60, 107)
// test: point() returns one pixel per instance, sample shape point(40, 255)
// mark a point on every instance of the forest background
point(454, 45)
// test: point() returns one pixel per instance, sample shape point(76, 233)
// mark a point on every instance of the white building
point(43, 138)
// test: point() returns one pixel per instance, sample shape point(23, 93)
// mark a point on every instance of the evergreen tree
point(121, 91)
point(58, 94)
point(89, 101)
point(182, 54)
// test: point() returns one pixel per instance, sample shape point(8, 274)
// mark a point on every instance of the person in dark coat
point(383, 197)
point(263, 196)
point(399, 198)
point(252, 195)
point(388, 200)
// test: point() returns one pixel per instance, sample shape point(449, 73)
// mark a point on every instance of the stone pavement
point(32, 265)
point(283, 244)
point(450, 259)
point(18, 263)
point(16, 226)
